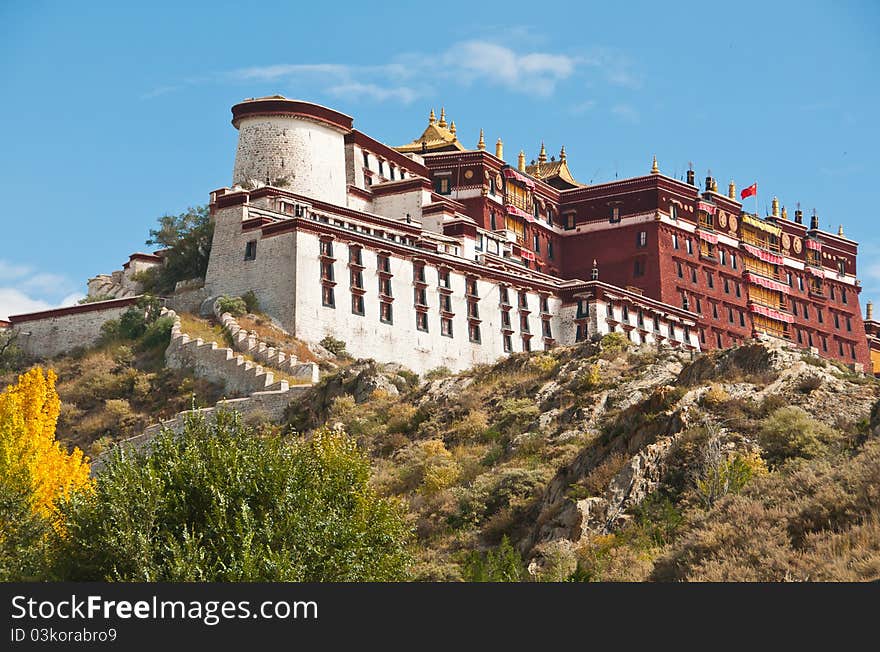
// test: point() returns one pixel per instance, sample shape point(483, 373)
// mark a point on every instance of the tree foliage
point(218, 503)
point(186, 240)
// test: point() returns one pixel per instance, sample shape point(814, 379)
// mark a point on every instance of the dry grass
point(207, 329)
point(273, 336)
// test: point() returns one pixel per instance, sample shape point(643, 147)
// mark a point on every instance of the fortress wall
point(269, 275)
point(308, 155)
point(52, 332)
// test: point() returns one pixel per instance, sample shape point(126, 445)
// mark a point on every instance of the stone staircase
point(247, 342)
point(266, 398)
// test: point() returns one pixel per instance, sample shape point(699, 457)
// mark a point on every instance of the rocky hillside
point(602, 462)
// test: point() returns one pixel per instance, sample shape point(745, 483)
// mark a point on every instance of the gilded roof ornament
point(432, 118)
point(442, 122)
point(481, 144)
point(562, 154)
point(499, 149)
point(452, 128)
point(654, 168)
point(542, 157)
point(521, 161)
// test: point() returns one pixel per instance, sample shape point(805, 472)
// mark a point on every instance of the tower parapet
point(292, 144)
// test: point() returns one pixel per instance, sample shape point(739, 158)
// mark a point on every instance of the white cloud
point(626, 112)
point(27, 290)
point(16, 302)
point(464, 63)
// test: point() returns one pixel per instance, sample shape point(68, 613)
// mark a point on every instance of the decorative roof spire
point(774, 210)
point(562, 154)
point(840, 230)
point(481, 144)
point(442, 122)
point(784, 213)
point(499, 149)
point(452, 128)
point(869, 310)
point(432, 118)
point(654, 168)
point(542, 157)
point(521, 161)
point(731, 189)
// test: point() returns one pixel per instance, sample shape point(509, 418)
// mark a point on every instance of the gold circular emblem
point(722, 219)
point(797, 245)
point(732, 224)
point(786, 241)
point(468, 174)
point(498, 180)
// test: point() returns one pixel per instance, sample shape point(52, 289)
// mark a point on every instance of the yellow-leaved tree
point(28, 448)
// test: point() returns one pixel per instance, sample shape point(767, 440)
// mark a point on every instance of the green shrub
point(504, 564)
point(217, 503)
point(791, 432)
point(336, 347)
point(158, 333)
point(614, 343)
point(235, 306)
point(437, 373)
point(252, 304)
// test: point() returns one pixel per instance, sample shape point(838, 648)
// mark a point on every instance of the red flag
point(750, 191)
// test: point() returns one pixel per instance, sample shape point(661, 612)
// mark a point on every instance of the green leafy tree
point(218, 503)
point(186, 239)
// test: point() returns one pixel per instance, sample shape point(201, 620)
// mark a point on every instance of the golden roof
point(435, 138)
point(554, 173)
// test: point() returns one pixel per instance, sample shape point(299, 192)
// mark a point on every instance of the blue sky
point(113, 114)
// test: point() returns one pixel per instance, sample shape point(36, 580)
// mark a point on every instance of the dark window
point(545, 305)
point(710, 280)
point(536, 244)
point(545, 327)
point(679, 270)
point(327, 248)
point(819, 315)
point(733, 260)
point(473, 310)
point(355, 256)
point(446, 326)
point(419, 273)
point(385, 286)
point(383, 263)
point(508, 344)
point(422, 321)
point(836, 320)
point(391, 171)
point(492, 192)
point(675, 241)
point(831, 292)
point(609, 309)
point(327, 298)
point(718, 340)
point(523, 300)
point(722, 256)
point(366, 159)
point(492, 224)
point(673, 211)
point(726, 286)
point(446, 302)
point(550, 249)
point(736, 285)
point(848, 324)
point(326, 271)
point(843, 294)
point(474, 333)
point(639, 268)
point(656, 324)
point(443, 276)
point(583, 310)
point(714, 311)
point(524, 323)
point(569, 221)
point(742, 318)
point(504, 297)
point(357, 304)
point(693, 274)
point(640, 319)
point(250, 250)
point(690, 246)
point(381, 168)
point(625, 313)
point(527, 344)
point(642, 239)
point(840, 347)
point(615, 214)
point(421, 297)
point(442, 186)
point(385, 313)
point(730, 315)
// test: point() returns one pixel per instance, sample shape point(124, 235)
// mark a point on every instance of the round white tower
point(292, 144)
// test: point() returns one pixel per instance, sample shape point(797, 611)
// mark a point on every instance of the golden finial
point(714, 187)
point(562, 154)
point(432, 118)
point(442, 122)
point(784, 213)
point(731, 189)
point(542, 157)
point(481, 144)
point(840, 230)
point(869, 310)
point(499, 149)
point(654, 168)
point(521, 161)
point(774, 207)
point(452, 128)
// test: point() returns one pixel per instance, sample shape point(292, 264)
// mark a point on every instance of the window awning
point(510, 173)
point(708, 237)
point(772, 314)
point(761, 224)
point(770, 284)
point(815, 245)
point(818, 273)
point(709, 208)
point(525, 254)
point(766, 256)
point(513, 210)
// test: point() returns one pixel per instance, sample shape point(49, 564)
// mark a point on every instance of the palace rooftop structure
point(434, 254)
